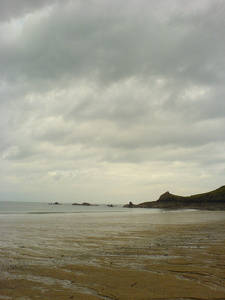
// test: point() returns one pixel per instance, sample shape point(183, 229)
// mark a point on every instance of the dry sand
point(185, 261)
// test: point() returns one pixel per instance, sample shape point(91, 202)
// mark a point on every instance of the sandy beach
point(130, 259)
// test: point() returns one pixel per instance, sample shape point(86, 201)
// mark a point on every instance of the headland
point(213, 200)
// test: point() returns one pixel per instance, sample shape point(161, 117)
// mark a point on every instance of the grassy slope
point(210, 200)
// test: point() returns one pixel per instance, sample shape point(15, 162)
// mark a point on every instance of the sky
point(111, 101)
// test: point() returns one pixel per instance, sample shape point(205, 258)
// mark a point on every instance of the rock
point(84, 204)
point(130, 205)
point(214, 200)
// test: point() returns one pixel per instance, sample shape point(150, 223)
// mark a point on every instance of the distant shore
point(214, 200)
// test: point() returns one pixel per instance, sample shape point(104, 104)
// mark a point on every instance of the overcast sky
point(111, 101)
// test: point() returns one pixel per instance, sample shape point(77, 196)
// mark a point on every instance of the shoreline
point(214, 200)
point(147, 261)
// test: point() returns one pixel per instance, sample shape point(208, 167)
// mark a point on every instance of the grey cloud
point(105, 135)
point(126, 110)
point(117, 45)
point(18, 153)
point(91, 87)
point(10, 9)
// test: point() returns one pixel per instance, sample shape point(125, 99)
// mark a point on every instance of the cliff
point(214, 200)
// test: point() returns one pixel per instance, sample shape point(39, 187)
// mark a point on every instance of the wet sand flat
point(155, 262)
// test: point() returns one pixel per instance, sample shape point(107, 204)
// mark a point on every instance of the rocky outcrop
point(214, 200)
point(84, 204)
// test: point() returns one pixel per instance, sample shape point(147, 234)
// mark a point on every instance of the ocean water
point(46, 208)
point(42, 224)
point(27, 211)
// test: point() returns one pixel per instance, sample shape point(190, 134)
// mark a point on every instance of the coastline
point(139, 261)
point(213, 200)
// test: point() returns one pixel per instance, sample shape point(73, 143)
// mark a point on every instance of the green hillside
point(214, 200)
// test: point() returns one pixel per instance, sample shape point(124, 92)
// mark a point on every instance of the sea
point(36, 223)
point(31, 210)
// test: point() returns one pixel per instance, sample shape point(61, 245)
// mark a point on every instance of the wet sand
point(157, 262)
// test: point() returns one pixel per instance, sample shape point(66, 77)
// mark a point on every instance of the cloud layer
point(104, 101)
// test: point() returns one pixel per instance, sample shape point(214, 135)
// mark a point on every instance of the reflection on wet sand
point(127, 258)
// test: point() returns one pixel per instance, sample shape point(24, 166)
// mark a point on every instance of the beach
point(132, 255)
